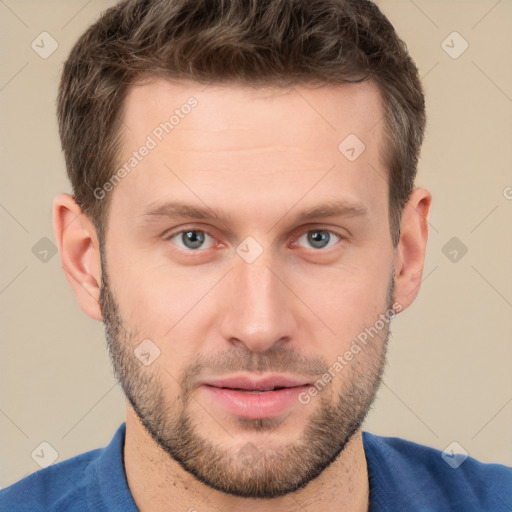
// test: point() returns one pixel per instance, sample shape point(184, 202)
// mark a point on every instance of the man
point(245, 223)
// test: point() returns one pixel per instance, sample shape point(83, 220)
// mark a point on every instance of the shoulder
point(94, 480)
point(431, 480)
point(51, 487)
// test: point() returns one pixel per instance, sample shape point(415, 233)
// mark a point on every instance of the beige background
point(448, 377)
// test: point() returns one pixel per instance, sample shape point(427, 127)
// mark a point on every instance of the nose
point(257, 311)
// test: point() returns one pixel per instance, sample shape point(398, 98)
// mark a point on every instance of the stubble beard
point(250, 470)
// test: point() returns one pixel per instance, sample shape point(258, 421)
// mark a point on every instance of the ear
point(410, 252)
point(79, 253)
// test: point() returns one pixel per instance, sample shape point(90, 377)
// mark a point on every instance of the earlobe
point(79, 253)
point(410, 252)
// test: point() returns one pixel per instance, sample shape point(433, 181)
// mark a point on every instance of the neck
point(156, 480)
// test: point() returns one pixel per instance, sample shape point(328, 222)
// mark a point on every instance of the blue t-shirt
point(404, 477)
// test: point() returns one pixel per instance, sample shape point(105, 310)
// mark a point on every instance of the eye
point(320, 238)
point(190, 239)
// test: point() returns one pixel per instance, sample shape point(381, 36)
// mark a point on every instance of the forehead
point(233, 138)
point(330, 110)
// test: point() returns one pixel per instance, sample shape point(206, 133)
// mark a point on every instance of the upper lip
point(256, 384)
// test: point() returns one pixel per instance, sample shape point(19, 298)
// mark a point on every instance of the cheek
point(143, 294)
point(165, 304)
point(349, 296)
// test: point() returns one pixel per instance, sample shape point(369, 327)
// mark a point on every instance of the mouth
point(262, 384)
point(251, 398)
point(254, 390)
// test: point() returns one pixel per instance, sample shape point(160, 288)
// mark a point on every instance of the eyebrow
point(177, 209)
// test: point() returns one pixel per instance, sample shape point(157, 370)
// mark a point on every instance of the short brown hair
point(253, 42)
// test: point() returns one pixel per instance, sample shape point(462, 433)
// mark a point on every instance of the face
point(246, 255)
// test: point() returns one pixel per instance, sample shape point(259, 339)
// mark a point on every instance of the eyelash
point(172, 235)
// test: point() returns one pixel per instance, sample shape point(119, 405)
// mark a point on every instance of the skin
point(241, 151)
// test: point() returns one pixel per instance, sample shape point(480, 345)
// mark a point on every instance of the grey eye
point(319, 239)
point(190, 239)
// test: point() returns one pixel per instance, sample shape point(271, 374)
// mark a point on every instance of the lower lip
point(252, 405)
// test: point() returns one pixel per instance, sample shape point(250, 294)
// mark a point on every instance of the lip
point(254, 398)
